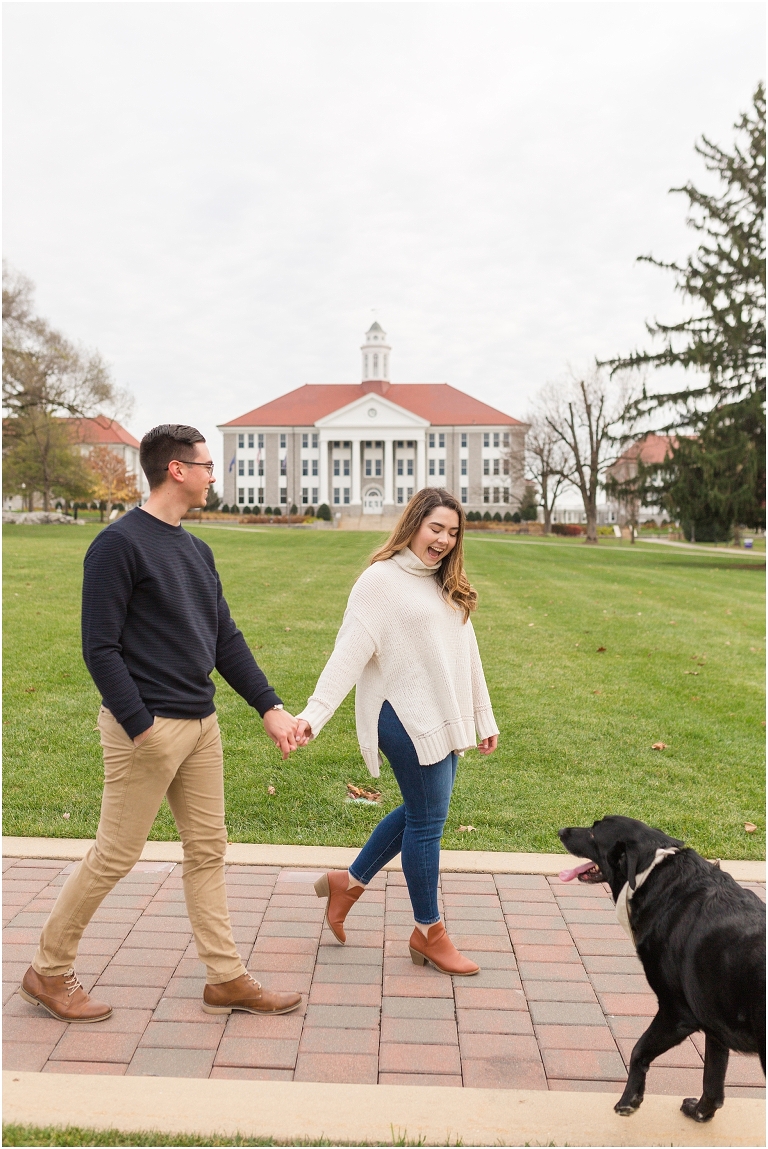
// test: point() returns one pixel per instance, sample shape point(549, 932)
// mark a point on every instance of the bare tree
point(546, 463)
point(585, 419)
point(46, 380)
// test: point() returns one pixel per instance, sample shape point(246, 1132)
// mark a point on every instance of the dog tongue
point(569, 875)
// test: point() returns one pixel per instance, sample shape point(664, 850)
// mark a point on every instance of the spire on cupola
point(375, 354)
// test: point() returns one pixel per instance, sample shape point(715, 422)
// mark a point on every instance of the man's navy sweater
point(155, 624)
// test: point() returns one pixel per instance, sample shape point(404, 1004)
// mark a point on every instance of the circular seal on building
point(372, 412)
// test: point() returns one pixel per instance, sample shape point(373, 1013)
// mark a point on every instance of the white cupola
point(375, 354)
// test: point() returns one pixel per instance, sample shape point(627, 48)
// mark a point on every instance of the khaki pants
point(181, 758)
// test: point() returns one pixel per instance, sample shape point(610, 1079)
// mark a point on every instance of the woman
point(407, 643)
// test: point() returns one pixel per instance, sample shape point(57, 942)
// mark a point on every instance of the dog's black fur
point(701, 939)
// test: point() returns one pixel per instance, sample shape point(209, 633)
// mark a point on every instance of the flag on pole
point(231, 465)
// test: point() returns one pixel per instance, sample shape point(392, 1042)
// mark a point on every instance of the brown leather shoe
point(245, 992)
point(438, 949)
point(63, 997)
point(333, 886)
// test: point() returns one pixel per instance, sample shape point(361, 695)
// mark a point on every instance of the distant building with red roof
point(364, 448)
point(101, 431)
point(649, 449)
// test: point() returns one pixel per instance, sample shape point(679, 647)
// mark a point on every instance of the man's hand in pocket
point(144, 735)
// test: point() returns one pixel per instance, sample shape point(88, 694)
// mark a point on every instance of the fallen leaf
point(31, 689)
point(466, 829)
point(531, 623)
point(363, 792)
point(597, 692)
point(672, 623)
point(695, 698)
point(287, 628)
point(750, 827)
point(693, 672)
point(600, 649)
point(578, 644)
point(66, 816)
point(659, 746)
point(270, 789)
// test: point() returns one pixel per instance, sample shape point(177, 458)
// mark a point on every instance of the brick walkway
point(558, 1004)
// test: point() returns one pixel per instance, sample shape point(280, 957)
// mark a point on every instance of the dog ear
point(639, 856)
point(616, 858)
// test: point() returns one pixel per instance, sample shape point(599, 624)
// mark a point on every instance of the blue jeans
point(414, 829)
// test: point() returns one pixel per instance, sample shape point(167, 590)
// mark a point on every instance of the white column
point(389, 471)
point(421, 462)
point(356, 497)
point(323, 469)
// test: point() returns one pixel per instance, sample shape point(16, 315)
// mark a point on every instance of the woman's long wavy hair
point(450, 574)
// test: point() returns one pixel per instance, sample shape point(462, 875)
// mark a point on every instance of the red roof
point(101, 430)
point(651, 449)
point(438, 403)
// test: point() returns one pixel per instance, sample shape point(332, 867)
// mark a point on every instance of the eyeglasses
point(191, 463)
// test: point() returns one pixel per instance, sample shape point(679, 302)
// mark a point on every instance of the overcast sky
point(221, 197)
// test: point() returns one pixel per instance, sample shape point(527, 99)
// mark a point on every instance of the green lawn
point(683, 664)
point(73, 1135)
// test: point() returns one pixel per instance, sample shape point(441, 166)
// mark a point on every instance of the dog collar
point(626, 893)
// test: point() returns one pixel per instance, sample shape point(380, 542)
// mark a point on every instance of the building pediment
point(372, 411)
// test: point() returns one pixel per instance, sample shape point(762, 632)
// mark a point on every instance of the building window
point(314, 466)
point(241, 495)
point(250, 441)
point(400, 466)
point(346, 496)
point(495, 466)
point(250, 467)
point(463, 438)
point(486, 466)
point(506, 466)
point(410, 492)
point(336, 495)
point(486, 439)
point(261, 495)
point(506, 438)
point(305, 466)
point(241, 466)
point(283, 466)
point(315, 494)
point(315, 440)
point(337, 466)
point(375, 364)
point(305, 440)
point(505, 494)
point(346, 468)
point(241, 440)
point(261, 466)
point(250, 496)
point(431, 466)
point(283, 495)
point(305, 496)
point(368, 468)
point(410, 466)
point(495, 438)
point(431, 440)
point(496, 495)
point(441, 466)
point(486, 494)
point(261, 442)
point(283, 441)
point(463, 466)
point(400, 493)
point(377, 468)
point(441, 440)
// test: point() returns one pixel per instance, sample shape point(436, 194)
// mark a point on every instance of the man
point(155, 623)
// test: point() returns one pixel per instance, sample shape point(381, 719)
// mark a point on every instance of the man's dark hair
point(164, 443)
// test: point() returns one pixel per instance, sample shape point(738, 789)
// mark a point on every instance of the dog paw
point(690, 1108)
point(625, 1109)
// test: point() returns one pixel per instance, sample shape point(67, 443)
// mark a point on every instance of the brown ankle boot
point(245, 993)
point(333, 886)
point(62, 996)
point(438, 949)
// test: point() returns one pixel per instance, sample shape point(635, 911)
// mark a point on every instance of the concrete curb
point(288, 1111)
point(338, 857)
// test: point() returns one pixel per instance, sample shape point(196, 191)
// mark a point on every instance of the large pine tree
point(715, 474)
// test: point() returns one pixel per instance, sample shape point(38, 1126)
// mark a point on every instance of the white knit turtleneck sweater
point(401, 642)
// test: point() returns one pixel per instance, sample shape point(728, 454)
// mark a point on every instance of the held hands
point(281, 728)
point(488, 745)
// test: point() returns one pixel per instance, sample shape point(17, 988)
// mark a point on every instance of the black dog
point(701, 939)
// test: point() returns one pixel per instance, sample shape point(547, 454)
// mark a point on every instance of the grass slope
point(683, 664)
point(74, 1135)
